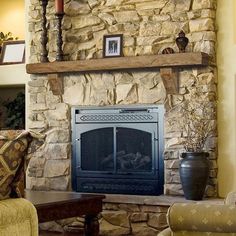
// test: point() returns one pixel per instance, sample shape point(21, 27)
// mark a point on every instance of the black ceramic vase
point(181, 41)
point(194, 172)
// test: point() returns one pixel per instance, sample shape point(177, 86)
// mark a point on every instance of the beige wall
point(12, 17)
point(13, 75)
point(226, 56)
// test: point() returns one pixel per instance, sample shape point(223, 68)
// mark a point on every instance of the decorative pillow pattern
point(13, 150)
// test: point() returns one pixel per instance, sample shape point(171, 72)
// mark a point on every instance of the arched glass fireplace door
point(120, 149)
point(117, 156)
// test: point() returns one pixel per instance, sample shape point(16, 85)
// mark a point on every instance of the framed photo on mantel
point(112, 45)
point(13, 52)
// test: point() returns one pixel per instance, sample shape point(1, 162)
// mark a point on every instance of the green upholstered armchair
point(193, 219)
point(18, 217)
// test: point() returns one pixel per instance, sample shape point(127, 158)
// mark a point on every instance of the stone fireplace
point(148, 27)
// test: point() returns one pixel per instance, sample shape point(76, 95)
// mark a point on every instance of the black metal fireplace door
point(117, 150)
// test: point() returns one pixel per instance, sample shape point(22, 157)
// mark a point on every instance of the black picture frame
point(13, 52)
point(113, 45)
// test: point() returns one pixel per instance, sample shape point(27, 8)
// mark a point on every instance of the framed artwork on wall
point(112, 45)
point(13, 52)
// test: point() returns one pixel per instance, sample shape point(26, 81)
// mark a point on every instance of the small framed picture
point(13, 52)
point(112, 45)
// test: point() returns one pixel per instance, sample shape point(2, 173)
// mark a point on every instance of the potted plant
point(6, 37)
point(197, 127)
point(15, 111)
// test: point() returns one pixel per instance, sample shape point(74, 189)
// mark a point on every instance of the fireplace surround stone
point(148, 28)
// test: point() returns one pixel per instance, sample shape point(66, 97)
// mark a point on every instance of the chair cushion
point(13, 149)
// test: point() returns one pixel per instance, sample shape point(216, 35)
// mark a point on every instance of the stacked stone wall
point(132, 219)
point(148, 27)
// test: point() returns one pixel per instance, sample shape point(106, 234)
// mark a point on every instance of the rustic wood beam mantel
point(120, 63)
point(176, 60)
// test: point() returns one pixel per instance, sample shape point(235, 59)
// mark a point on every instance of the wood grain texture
point(170, 80)
point(56, 84)
point(121, 63)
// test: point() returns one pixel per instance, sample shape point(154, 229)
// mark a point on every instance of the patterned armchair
point(193, 219)
point(18, 216)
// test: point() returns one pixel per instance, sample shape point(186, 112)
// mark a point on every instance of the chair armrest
point(18, 217)
point(202, 217)
point(231, 198)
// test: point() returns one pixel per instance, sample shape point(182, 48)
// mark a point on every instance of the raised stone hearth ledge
point(162, 200)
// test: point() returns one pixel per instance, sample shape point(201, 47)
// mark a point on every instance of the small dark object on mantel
point(168, 51)
point(181, 41)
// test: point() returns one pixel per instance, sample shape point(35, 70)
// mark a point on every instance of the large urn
point(194, 172)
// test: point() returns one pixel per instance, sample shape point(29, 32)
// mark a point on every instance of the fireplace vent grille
point(116, 118)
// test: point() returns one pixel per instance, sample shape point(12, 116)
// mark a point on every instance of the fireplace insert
point(118, 150)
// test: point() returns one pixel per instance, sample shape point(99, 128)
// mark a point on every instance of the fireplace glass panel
point(96, 148)
point(134, 150)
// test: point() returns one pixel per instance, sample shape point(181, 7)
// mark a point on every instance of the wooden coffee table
point(55, 205)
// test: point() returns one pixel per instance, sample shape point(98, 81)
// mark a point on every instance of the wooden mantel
point(168, 63)
point(120, 63)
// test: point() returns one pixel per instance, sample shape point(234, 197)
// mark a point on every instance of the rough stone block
point(117, 218)
point(172, 164)
point(142, 229)
point(60, 113)
point(201, 4)
point(126, 16)
point(110, 206)
point(112, 230)
point(172, 176)
point(59, 183)
point(129, 207)
point(58, 135)
point(55, 168)
point(157, 221)
point(173, 189)
point(138, 217)
point(57, 151)
point(205, 24)
point(153, 209)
